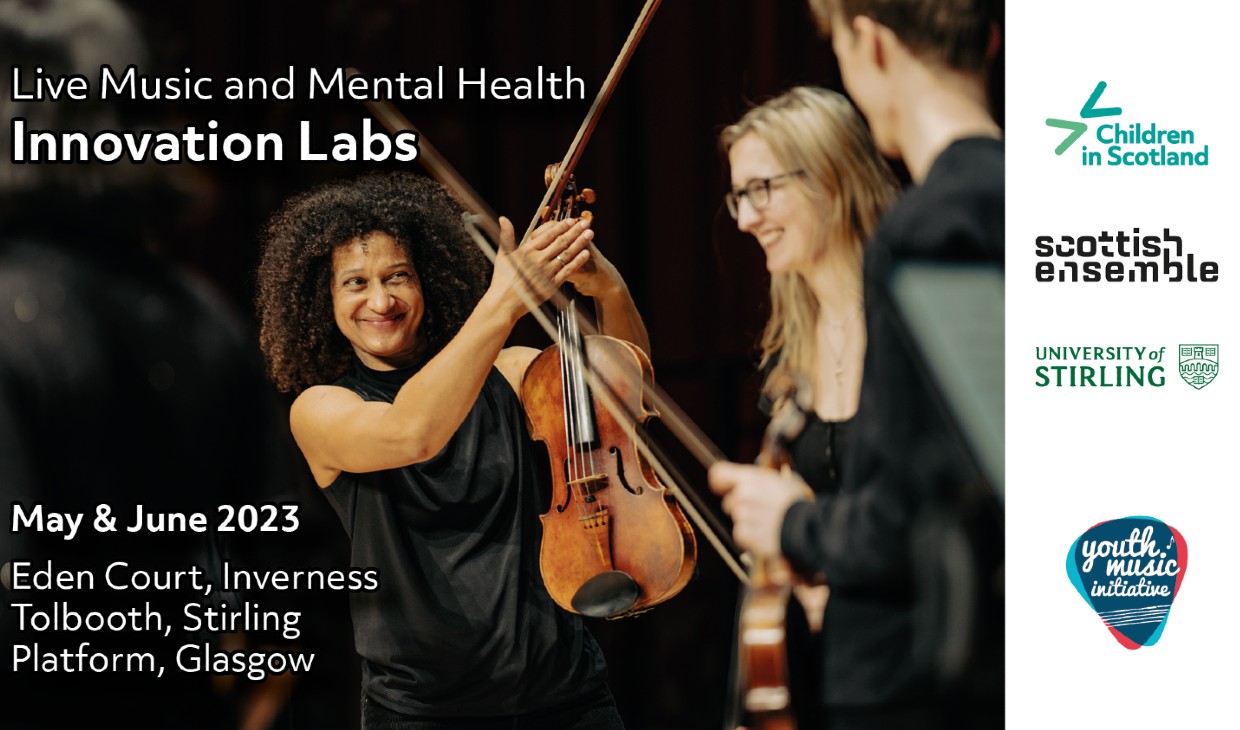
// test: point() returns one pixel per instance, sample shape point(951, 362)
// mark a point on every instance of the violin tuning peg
point(549, 173)
point(588, 196)
point(587, 215)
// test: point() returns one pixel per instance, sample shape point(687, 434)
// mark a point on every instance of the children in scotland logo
point(1136, 144)
point(1129, 571)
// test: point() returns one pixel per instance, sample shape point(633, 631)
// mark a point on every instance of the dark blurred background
point(655, 165)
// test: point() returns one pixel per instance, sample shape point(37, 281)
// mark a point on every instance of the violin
point(762, 652)
point(615, 542)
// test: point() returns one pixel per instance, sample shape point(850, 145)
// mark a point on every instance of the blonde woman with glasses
point(809, 185)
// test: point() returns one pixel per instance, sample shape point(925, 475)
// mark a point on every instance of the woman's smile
point(377, 298)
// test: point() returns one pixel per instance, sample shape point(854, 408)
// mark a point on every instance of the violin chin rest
point(606, 594)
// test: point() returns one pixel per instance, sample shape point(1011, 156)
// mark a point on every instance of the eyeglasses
point(758, 192)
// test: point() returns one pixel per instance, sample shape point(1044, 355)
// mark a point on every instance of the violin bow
point(482, 219)
point(575, 149)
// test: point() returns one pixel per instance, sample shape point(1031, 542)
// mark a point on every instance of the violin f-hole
point(615, 451)
point(568, 492)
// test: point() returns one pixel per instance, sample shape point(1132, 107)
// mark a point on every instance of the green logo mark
point(1088, 111)
point(1198, 364)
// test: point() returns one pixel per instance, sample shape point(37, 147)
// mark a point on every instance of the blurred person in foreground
point(124, 381)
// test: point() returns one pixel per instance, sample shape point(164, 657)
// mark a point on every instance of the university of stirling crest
point(1198, 364)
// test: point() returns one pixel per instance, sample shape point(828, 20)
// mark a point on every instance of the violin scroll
point(572, 200)
point(790, 393)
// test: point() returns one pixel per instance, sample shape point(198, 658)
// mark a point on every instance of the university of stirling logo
point(1090, 110)
point(1198, 364)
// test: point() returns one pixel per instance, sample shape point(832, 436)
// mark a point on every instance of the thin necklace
point(838, 355)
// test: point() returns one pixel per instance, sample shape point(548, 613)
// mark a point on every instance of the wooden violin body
point(762, 649)
point(614, 542)
point(763, 653)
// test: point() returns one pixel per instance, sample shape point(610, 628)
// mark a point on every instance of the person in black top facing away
point(374, 309)
point(915, 70)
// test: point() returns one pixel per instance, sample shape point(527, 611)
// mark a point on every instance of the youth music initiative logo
point(1129, 571)
point(1139, 144)
point(1198, 364)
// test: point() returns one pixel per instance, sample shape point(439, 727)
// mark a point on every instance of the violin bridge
point(596, 515)
point(588, 485)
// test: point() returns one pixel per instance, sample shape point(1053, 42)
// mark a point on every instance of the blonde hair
point(820, 132)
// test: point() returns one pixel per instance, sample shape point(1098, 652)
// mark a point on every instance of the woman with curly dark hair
point(374, 310)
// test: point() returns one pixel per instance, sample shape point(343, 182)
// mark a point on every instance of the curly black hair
point(298, 332)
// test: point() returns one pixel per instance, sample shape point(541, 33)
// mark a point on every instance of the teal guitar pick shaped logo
point(1130, 571)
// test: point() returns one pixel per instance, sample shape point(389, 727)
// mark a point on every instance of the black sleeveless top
point(461, 624)
point(817, 452)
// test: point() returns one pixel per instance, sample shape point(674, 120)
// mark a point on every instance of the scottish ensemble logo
point(1136, 144)
point(1130, 571)
point(1198, 364)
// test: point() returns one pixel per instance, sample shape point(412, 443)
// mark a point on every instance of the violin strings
point(580, 436)
point(570, 423)
point(568, 430)
point(574, 413)
point(589, 434)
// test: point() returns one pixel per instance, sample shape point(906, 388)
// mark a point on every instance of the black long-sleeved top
point(905, 606)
